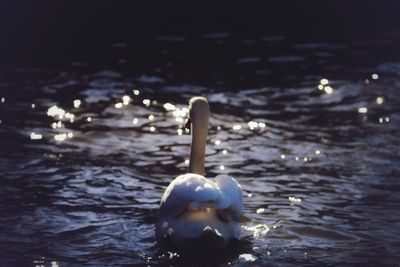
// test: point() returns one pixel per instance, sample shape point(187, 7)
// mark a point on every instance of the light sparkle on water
point(63, 136)
point(328, 90)
point(146, 102)
point(258, 230)
point(247, 257)
point(294, 200)
point(324, 81)
point(77, 103)
point(36, 136)
point(362, 110)
point(236, 127)
point(126, 100)
point(60, 137)
point(56, 111)
point(169, 107)
point(260, 210)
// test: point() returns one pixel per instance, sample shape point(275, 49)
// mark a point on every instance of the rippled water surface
point(312, 137)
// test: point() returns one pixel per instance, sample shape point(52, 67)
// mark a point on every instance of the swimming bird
point(196, 211)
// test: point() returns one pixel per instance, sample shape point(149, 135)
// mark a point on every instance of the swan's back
point(195, 210)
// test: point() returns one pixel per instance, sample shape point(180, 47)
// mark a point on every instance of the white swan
point(196, 211)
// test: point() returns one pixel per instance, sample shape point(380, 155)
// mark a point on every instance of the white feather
point(191, 204)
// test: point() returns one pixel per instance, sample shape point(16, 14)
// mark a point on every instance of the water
point(310, 130)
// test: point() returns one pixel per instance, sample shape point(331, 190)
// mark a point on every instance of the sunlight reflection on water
point(318, 166)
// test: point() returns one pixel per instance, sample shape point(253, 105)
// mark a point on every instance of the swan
point(196, 211)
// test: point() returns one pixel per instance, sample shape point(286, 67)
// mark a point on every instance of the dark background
point(53, 33)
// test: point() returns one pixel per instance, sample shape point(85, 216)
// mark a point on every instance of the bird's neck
point(198, 147)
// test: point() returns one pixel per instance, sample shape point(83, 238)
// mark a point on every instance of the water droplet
point(179, 131)
point(118, 105)
point(283, 156)
point(136, 92)
point(3, 99)
point(222, 167)
point(33, 106)
point(89, 119)
point(379, 100)
point(152, 129)
point(186, 161)
point(375, 76)
point(151, 117)
point(224, 151)
point(317, 152)
point(135, 121)
point(217, 142)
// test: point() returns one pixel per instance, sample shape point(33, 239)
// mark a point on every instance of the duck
point(197, 212)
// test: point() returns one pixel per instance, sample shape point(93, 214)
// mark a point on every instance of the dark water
point(319, 168)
